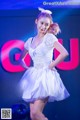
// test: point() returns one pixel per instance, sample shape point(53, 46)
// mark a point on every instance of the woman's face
point(43, 24)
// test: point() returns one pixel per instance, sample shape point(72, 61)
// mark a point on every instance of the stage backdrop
point(16, 26)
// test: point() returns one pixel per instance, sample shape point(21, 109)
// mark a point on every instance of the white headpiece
point(44, 11)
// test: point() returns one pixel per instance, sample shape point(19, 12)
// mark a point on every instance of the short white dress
point(39, 82)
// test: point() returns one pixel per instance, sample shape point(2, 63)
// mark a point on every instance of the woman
point(41, 83)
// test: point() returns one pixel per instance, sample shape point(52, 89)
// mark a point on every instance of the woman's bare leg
point(36, 109)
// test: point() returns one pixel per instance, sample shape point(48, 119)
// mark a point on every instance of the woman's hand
point(51, 65)
point(22, 57)
point(22, 62)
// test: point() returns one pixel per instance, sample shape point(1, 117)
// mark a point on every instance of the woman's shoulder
point(28, 42)
point(51, 37)
point(29, 39)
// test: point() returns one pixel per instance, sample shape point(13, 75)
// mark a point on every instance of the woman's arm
point(22, 57)
point(63, 54)
point(23, 54)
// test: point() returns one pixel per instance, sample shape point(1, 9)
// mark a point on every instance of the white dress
point(39, 82)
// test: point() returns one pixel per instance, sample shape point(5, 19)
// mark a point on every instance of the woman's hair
point(54, 28)
point(44, 14)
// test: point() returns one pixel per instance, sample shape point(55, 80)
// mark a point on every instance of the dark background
point(19, 24)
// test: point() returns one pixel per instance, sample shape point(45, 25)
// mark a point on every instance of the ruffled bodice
point(42, 55)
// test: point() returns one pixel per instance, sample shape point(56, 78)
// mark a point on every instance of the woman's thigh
point(38, 105)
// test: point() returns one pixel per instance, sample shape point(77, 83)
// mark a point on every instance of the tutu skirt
point(41, 83)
